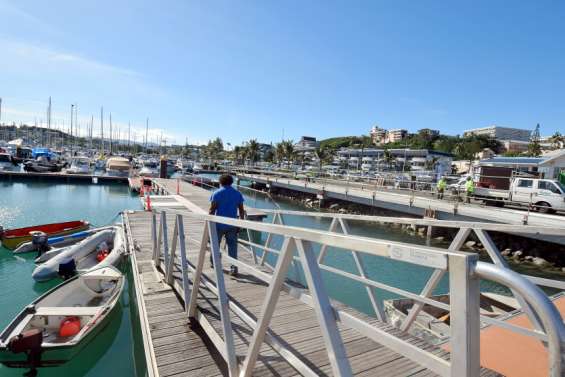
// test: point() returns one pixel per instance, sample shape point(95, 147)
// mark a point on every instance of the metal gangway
point(306, 249)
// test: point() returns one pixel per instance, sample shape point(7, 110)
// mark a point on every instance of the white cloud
point(50, 58)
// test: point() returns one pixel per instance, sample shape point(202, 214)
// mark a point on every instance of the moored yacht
point(79, 165)
point(150, 168)
point(118, 167)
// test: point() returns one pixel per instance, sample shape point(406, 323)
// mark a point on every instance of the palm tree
point(244, 154)
point(236, 154)
point(467, 149)
point(279, 152)
point(323, 155)
point(253, 150)
point(288, 147)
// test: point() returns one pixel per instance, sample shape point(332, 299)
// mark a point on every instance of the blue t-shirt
point(227, 201)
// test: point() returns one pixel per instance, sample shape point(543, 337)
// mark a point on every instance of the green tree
point(279, 152)
point(323, 155)
point(289, 152)
point(253, 150)
point(534, 148)
point(467, 149)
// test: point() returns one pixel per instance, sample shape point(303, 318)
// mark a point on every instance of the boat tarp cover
point(118, 163)
point(39, 152)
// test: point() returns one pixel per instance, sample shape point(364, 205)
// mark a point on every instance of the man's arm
point(241, 211)
point(213, 208)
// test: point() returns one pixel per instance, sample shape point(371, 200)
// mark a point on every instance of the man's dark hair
point(226, 180)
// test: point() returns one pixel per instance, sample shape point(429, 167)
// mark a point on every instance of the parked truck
point(499, 188)
point(545, 195)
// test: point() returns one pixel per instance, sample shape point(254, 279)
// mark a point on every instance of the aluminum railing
point(463, 269)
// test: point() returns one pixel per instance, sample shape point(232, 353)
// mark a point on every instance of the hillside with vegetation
point(463, 148)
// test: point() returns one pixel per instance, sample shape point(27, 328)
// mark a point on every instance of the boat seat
point(67, 310)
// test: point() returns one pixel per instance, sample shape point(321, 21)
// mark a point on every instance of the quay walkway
point(412, 203)
point(199, 321)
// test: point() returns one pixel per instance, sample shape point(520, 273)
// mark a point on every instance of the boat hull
point(83, 253)
point(13, 238)
point(54, 354)
point(59, 355)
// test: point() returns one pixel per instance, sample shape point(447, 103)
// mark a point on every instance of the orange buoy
point(70, 326)
point(101, 255)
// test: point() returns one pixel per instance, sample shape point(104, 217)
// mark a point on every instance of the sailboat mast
point(102, 130)
point(90, 131)
point(146, 132)
point(77, 129)
point(72, 113)
point(49, 122)
point(110, 133)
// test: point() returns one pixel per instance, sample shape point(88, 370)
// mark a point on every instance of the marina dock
point(198, 320)
point(412, 203)
point(59, 177)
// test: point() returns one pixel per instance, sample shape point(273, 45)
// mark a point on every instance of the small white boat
point(79, 165)
point(118, 167)
point(84, 255)
point(59, 324)
point(184, 165)
point(150, 168)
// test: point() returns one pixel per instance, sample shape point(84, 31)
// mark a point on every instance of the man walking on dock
point(227, 202)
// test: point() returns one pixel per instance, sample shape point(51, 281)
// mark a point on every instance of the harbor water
point(30, 203)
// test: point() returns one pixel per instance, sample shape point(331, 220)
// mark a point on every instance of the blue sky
point(251, 69)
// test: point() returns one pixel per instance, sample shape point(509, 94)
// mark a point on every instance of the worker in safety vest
point(441, 186)
point(469, 188)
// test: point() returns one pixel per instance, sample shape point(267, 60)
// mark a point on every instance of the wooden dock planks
point(178, 349)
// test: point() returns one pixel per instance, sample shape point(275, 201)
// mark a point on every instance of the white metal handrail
point(461, 267)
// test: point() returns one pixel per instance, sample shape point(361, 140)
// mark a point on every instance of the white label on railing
point(421, 257)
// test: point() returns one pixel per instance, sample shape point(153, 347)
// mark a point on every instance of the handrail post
point(165, 238)
point(183, 262)
point(223, 301)
point(465, 315)
point(169, 267)
point(324, 310)
point(157, 252)
point(268, 308)
point(198, 272)
point(434, 279)
point(154, 232)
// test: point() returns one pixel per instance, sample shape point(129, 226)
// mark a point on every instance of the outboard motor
point(68, 269)
point(39, 241)
point(28, 342)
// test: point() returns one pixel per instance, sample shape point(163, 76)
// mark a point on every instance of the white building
point(306, 144)
point(501, 133)
point(416, 160)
